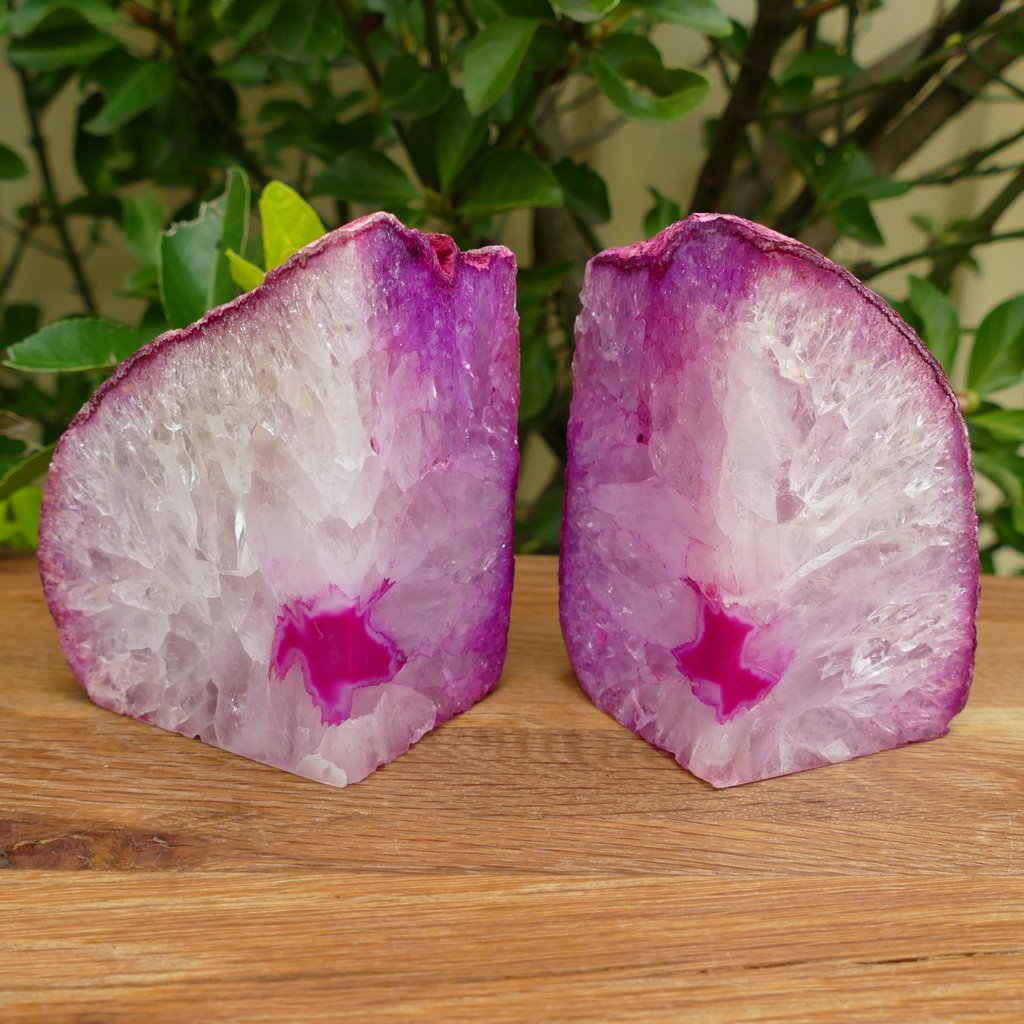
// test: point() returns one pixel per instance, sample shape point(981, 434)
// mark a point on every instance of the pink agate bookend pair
point(287, 529)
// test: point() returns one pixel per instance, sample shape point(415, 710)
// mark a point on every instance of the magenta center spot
point(337, 649)
point(714, 663)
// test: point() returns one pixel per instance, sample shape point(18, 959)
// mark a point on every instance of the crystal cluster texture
point(769, 553)
point(287, 529)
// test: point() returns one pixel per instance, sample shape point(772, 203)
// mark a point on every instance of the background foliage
point(451, 113)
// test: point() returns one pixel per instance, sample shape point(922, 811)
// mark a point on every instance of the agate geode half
point(769, 556)
point(287, 529)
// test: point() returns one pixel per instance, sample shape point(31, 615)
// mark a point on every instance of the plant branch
point(15, 261)
point(868, 270)
point(34, 243)
point(542, 81)
point(585, 142)
point(979, 231)
point(849, 39)
point(467, 18)
point(166, 30)
point(892, 101)
point(954, 92)
point(773, 24)
point(966, 163)
point(905, 137)
point(38, 143)
point(362, 46)
point(890, 72)
point(433, 37)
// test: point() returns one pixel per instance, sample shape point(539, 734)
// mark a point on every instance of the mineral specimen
point(287, 529)
point(769, 549)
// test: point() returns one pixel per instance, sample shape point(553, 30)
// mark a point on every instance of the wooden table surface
point(530, 861)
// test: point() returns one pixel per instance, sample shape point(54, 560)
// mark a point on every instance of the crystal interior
point(287, 530)
point(770, 549)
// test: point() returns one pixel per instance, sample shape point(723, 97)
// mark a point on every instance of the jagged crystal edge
point(338, 444)
point(695, 594)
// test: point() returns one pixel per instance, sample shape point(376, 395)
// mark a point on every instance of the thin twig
point(33, 242)
point(996, 76)
point(992, 171)
point(902, 139)
point(723, 69)
point(980, 229)
point(972, 159)
point(15, 261)
point(850, 39)
point(585, 97)
point(200, 88)
point(866, 271)
point(38, 143)
point(433, 37)
point(585, 142)
point(467, 18)
point(362, 46)
point(952, 48)
point(773, 24)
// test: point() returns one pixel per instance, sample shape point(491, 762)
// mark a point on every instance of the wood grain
point(529, 861)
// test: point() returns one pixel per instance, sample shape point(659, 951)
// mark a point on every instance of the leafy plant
point(454, 113)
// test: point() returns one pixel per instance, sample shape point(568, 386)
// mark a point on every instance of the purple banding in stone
point(220, 516)
point(769, 552)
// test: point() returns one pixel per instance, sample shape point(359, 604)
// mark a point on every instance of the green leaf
point(245, 274)
point(26, 504)
point(509, 179)
point(410, 91)
point(644, 89)
point(584, 190)
point(941, 324)
point(538, 376)
point(83, 343)
point(252, 69)
point(665, 211)
point(144, 88)
point(33, 12)
point(142, 220)
point(289, 223)
point(11, 165)
point(585, 11)
point(459, 136)
point(541, 529)
point(307, 28)
point(188, 263)
point(1004, 424)
point(364, 175)
point(804, 153)
point(234, 234)
point(30, 468)
point(848, 173)
point(59, 48)
point(703, 15)
point(854, 218)
point(1006, 471)
point(492, 60)
point(997, 358)
point(618, 48)
point(821, 62)
point(194, 272)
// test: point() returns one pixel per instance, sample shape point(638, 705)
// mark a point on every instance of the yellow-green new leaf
point(289, 223)
point(245, 274)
